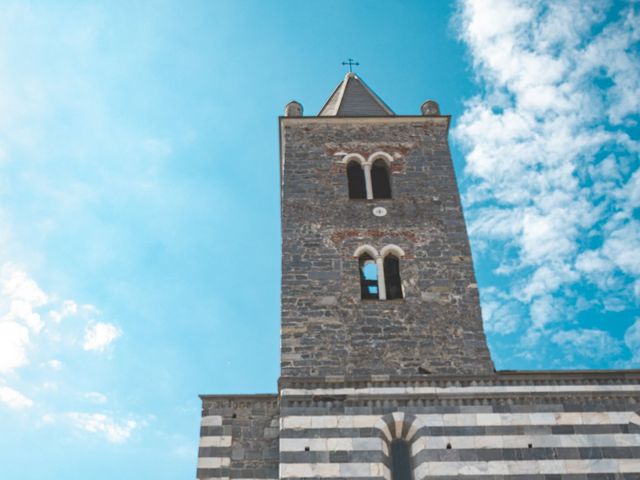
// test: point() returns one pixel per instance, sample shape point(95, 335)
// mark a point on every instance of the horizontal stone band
point(462, 442)
point(461, 419)
point(474, 390)
point(327, 470)
point(530, 467)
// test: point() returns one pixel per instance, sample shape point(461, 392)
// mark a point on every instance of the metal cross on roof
point(351, 63)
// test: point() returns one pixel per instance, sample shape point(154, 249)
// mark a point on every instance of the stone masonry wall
point(239, 437)
point(326, 328)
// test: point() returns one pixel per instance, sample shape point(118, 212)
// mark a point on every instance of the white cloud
point(69, 307)
point(545, 310)
point(48, 419)
point(100, 335)
point(14, 399)
point(500, 315)
point(55, 364)
point(632, 341)
point(20, 325)
point(113, 431)
point(23, 295)
point(623, 248)
point(14, 344)
point(550, 151)
point(17, 285)
point(96, 397)
point(590, 343)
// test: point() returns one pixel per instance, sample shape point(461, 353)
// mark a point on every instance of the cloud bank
point(28, 335)
point(551, 146)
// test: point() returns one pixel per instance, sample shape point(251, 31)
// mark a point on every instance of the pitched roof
point(353, 98)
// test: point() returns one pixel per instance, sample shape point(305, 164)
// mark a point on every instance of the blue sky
point(139, 218)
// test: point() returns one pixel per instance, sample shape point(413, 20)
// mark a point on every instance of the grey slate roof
point(353, 98)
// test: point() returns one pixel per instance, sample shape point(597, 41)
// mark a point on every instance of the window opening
point(368, 277)
point(380, 181)
point(356, 181)
point(400, 461)
point(392, 283)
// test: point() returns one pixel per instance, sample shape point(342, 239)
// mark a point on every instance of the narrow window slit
point(380, 180)
point(368, 277)
point(356, 181)
point(392, 282)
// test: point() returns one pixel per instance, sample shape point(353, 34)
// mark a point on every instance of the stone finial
point(293, 109)
point(430, 107)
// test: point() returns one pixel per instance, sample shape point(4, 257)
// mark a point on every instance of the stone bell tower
point(385, 372)
point(432, 322)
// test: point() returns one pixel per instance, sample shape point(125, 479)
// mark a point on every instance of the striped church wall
point(238, 437)
point(524, 432)
point(525, 427)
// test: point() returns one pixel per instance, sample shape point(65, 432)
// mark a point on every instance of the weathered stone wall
point(326, 328)
point(239, 437)
point(508, 426)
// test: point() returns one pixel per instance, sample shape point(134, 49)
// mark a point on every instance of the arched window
point(401, 461)
point(355, 178)
point(392, 283)
point(380, 181)
point(368, 277)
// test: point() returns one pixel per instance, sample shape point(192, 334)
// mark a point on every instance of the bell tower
point(377, 275)
point(386, 373)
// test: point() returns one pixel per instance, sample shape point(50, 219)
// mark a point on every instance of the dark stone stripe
point(459, 431)
point(466, 455)
point(257, 472)
point(338, 456)
point(515, 454)
point(214, 452)
point(533, 406)
point(213, 431)
point(330, 433)
point(236, 473)
point(522, 429)
point(212, 472)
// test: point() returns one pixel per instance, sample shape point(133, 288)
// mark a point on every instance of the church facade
point(385, 370)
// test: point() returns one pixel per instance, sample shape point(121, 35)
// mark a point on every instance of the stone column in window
point(367, 180)
point(382, 289)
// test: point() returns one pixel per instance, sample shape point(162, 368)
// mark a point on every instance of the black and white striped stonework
point(510, 426)
point(511, 429)
point(238, 437)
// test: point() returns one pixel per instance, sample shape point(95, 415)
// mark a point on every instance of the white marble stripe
point(523, 441)
point(526, 467)
point(213, 462)
point(331, 444)
point(471, 390)
point(461, 419)
point(218, 441)
point(463, 442)
point(328, 470)
point(211, 421)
